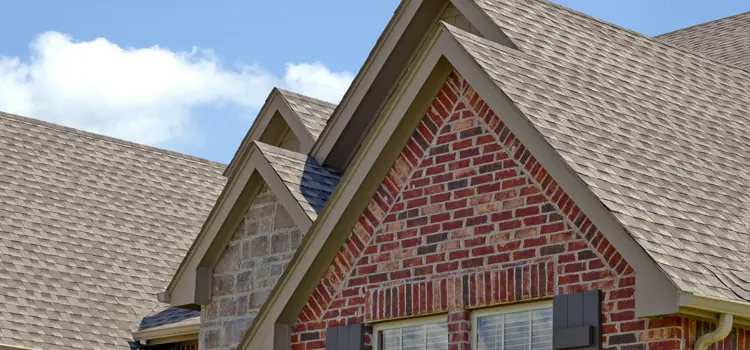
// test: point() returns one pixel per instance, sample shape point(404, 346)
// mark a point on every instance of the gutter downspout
point(721, 332)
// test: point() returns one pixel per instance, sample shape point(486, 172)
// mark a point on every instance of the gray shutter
point(346, 337)
point(577, 321)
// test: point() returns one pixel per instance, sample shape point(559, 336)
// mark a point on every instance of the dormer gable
point(287, 120)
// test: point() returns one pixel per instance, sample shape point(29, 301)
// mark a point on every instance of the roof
point(726, 39)
point(658, 134)
point(312, 112)
point(92, 228)
point(310, 183)
point(165, 316)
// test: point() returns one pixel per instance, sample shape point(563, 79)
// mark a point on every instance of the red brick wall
point(468, 218)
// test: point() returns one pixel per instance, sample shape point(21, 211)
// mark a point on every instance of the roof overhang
point(399, 45)
point(182, 331)
point(268, 129)
point(191, 284)
point(376, 80)
point(656, 295)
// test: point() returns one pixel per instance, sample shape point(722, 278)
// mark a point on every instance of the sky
point(190, 76)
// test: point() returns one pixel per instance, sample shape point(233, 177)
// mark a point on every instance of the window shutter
point(577, 321)
point(346, 337)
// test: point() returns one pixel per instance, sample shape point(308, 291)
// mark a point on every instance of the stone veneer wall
point(247, 271)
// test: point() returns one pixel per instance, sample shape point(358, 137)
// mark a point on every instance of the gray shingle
point(658, 134)
point(168, 316)
point(310, 183)
point(726, 39)
point(312, 112)
point(92, 228)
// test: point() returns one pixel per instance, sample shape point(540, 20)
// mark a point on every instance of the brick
point(472, 263)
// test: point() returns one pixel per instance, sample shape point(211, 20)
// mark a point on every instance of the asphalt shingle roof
point(91, 229)
point(310, 183)
point(726, 40)
point(661, 136)
point(312, 112)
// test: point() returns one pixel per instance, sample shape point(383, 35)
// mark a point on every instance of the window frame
point(377, 328)
point(501, 310)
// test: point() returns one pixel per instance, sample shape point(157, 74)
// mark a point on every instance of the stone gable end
point(467, 218)
point(247, 271)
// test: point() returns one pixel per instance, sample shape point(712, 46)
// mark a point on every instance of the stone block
point(259, 246)
point(250, 228)
point(223, 285)
point(265, 225)
point(280, 242)
point(258, 298)
point(229, 261)
point(244, 282)
point(227, 307)
point(242, 305)
point(209, 312)
point(210, 338)
point(282, 219)
point(260, 211)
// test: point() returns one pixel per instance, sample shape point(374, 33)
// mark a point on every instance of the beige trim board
point(169, 333)
point(657, 296)
point(11, 347)
point(265, 129)
point(191, 284)
point(375, 82)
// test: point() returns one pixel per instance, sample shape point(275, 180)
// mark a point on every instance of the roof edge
point(13, 347)
point(689, 302)
point(699, 25)
point(109, 139)
point(169, 331)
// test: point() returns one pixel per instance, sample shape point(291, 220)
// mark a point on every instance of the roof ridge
point(650, 39)
point(297, 94)
point(110, 139)
point(514, 52)
point(701, 24)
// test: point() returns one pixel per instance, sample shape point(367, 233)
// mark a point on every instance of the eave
point(182, 331)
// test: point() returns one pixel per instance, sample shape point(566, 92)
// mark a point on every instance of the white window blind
point(522, 330)
point(423, 337)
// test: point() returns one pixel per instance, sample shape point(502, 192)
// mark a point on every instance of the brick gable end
point(468, 218)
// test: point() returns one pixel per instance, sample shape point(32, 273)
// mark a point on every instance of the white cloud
point(144, 95)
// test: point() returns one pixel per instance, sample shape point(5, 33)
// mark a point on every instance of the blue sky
point(190, 75)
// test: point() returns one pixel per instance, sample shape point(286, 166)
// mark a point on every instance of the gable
point(468, 209)
point(387, 138)
point(247, 270)
point(287, 120)
point(191, 284)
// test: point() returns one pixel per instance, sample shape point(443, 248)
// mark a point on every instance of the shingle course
point(660, 136)
point(92, 228)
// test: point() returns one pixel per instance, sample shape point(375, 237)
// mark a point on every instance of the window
point(522, 327)
point(430, 333)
